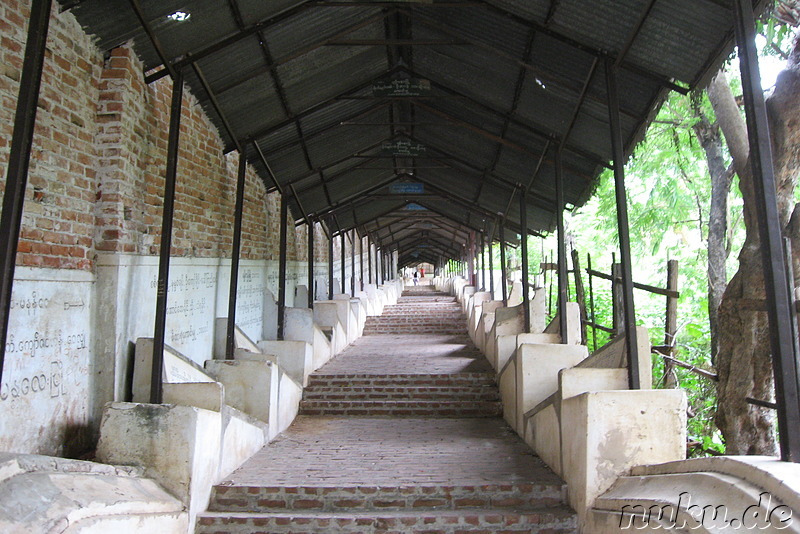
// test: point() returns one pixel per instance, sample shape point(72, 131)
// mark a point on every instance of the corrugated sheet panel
point(483, 88)
point(328, 72)
point(677, 37)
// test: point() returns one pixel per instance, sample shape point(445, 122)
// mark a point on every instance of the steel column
point(344, 259)
point(20, 156)
point(353, 263)
point(562, 247)
point(483, 262)
point(779, 288)
point(523, 224)
point(330, 264)
point(282, 266)
point(369, 258)
point(491, 265)
point(503, 271)
point(230, 336)
point(166, 239)
point(312, 293)
point(631, 342)
point(361, 260)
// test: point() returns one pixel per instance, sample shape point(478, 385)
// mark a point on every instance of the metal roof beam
point(534, 130)
point(254, 73)
point(662, 79)
point(190, 57)
point(316, 107)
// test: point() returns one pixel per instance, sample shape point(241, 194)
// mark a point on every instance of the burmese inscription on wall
point(44, 393)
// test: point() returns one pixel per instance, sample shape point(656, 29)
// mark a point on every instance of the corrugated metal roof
point(505, 82)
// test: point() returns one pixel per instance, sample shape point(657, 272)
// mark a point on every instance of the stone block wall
point(87, 259)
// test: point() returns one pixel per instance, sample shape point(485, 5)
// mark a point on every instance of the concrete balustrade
point(486, 322)
point(598, 443)
point(184, 449)
point(78, 496)
point(326, 315)
point(300, 326)
point(572, 408)
point(475, 311)
point(348, 316)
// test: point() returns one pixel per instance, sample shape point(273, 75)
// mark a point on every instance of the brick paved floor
point(409, 354)
point(372, 451)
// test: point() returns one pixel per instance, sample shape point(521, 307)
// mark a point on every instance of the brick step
point(416, 329)
point(419, 301)
point(549, 521)
point(489, 393)
point(418, 313)
point(417, 318)
point(411, 320)
point(426, 307)
point(400, 380)
point(418, 321)
point(506, 496)
point(405, 408)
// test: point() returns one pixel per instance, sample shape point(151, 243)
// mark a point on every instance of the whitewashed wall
point(72, 334)
point(45, 395)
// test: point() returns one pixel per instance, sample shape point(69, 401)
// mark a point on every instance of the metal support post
point(483, 262)
point(523, 224)
point(503, 271)
point(562, 248)
point(230, 335)
point(312, 293)
point(343, 260)
point(353, 263)
point(369, 260)
point(631, 343)
point(491, 266)
point(330, 265)
point(282, 266)
point(20, 156)
point(779, 290)
point(166, 239)
point(378, 270)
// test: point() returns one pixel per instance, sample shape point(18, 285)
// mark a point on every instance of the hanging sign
point(400, 88)
point(403, 149)
point(406, 188)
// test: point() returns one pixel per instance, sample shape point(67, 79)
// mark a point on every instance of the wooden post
point(591, 302)
point(616, 296)
point(580, 295)
point(671, 325)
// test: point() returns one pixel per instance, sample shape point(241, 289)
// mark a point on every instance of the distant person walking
point(416, 274)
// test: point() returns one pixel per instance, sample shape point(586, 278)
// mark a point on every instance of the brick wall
point(97, 168)
point(57, 217)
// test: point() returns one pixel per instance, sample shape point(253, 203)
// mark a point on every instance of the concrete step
point(276, 499)
point(549, 521)
point(400, 380)
point(412, 408)
point(402, 393)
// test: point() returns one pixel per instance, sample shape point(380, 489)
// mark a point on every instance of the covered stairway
point(401, 432)
point(206, 201)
